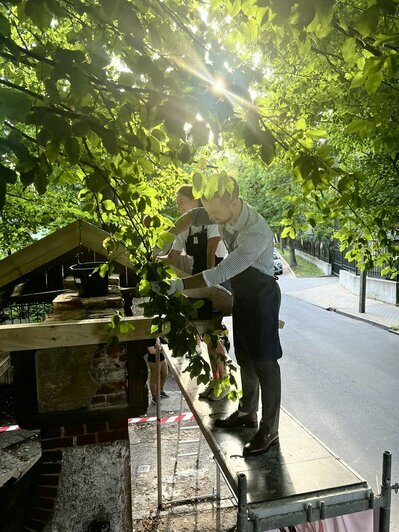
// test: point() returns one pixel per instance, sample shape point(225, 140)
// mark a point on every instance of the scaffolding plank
point(301, 466)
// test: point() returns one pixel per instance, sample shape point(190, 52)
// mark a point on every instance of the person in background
point(163, 369)
point(249, 267)
point(204, 244)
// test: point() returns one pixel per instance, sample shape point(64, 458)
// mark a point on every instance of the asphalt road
point(340, 380)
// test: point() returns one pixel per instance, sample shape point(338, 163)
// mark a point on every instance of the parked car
point(278, 264)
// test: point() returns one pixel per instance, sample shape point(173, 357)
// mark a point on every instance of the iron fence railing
point(328, 251)
point(24, 312)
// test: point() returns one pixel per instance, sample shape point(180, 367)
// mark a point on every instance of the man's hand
point(176, 285)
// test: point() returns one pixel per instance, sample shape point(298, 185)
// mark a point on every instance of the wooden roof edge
point(39, 253)
point(90, 237)
point(54, 245)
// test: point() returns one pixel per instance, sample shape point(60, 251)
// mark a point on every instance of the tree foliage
point(115, 92)
point(118, 95)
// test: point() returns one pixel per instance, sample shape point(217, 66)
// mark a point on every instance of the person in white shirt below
point(205, 245)
point(256, 303)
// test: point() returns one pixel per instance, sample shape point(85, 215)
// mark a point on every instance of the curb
point(359, 318)
point(287, 265)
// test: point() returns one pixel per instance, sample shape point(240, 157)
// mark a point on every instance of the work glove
point(176, 285)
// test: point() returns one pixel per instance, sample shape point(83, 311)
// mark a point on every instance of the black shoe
point(164, 395)
point(234, 420)
point(260, 443)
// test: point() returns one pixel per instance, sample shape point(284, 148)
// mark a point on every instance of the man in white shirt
point(256, 303)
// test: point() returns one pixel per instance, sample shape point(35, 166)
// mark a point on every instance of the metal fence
point(328, 251)
point(24, 312)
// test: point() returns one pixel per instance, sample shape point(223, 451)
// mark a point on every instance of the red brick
point(117, 424)
point(115, 349)
point(57, 443)
point(51, 433)
point(98, 399)
point(48, 480)
point(50, 469)
point(113, 435)
point(50, 492)
point(86, 439)
point(120, 385)
point(106, 388)
point(74, 430)
point(96, 427)
point(117, 398)
point(51, 456)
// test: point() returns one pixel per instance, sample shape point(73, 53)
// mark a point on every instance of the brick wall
point(53, 441)
point(108, 368)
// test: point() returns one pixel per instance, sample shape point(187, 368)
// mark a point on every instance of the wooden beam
point(39, 253)
point(27, 336)
point(5, 363)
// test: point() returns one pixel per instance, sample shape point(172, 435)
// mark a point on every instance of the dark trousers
point(256, 303)
point(263, 374)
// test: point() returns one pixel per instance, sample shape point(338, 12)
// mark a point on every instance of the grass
point(304, 268)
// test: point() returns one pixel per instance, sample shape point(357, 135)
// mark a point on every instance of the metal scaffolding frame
point(262, 515)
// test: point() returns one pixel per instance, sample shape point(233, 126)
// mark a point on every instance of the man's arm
point(173, 257)
point(195, 281)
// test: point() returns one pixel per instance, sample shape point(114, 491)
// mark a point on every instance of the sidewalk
point(326, 292)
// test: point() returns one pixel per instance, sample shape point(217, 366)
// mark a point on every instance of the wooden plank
point(39, 253)
point(21, 337)
point(93, 237)
point(5, 363)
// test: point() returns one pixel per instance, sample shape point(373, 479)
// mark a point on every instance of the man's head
point(224, 208)
point(185, 199)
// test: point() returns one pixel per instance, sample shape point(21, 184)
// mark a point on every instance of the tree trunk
point(291, 246)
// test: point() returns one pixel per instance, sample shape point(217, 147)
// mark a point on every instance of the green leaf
point(198, 183)
point(373, 82)
point(184, 153)
point(4, 26)
point(124, 327)
point(72, 148)
point(109, 205)
point(14, 105)
point(268, 149)
point(368, 22)
point(349, 51)
point(3, 189)
point(39, 13)
point(7, 174)
point(358, 79)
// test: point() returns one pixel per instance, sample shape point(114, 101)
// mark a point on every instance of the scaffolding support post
point(242, 514)
point(158, 349)
point(385, 511)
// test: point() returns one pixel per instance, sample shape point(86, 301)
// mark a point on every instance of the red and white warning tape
point(186, 416)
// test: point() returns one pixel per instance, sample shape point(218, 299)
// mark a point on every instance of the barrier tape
point(186, 416)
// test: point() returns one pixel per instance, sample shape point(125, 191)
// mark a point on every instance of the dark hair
point(187, 191)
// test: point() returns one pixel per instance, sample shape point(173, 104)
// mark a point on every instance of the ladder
point(186, 442)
